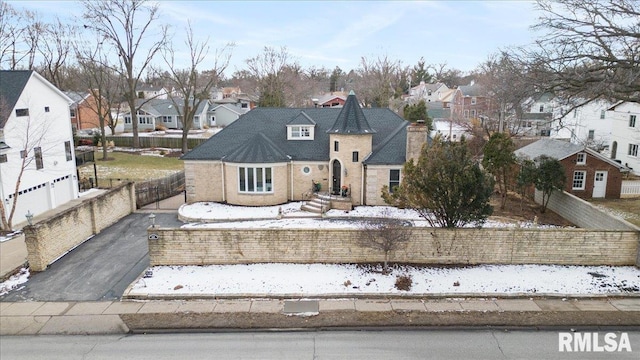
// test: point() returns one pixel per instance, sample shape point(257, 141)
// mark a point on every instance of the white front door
point(600, 184)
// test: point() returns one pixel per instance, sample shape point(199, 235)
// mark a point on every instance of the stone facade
point(303, 176)
point(416, 138)
point(48, 240)
point(427, 246)
point(352, 172)
point(378, 176)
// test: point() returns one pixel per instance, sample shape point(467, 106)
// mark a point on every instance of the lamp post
point(29, 217)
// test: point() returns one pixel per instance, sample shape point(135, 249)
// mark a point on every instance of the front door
point(600, 184)
point(337, 170)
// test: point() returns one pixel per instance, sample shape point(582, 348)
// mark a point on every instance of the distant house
point(330, 100)
point(428, 92)
point(83, 110)
point(470, 102)
point(271, 156)
point(35, 127)
point(156, 113)
point(223, 115)
point(589, 173)
point(232, 96)
point(449, 130)
point(146, 91)
point(624, 118)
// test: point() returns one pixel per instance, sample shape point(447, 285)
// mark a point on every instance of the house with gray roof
point(271, 156)
point(163, 113)
point(589, 174)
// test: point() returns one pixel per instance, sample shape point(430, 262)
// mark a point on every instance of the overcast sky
point(338, 33)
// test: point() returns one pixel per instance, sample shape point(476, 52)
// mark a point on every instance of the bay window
point(255, 180)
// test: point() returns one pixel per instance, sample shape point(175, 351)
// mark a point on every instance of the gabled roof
point(351, 119)
point(259, 149)
point(472, 90)
point(77, 96)
point(12, 84)
point(560, 149)
point(272, 123)
point(166, 107)
point(392, 149)
point(302, 119)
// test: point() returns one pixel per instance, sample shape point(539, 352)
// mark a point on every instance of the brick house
point(270, 156)
point(589, 173)
point(83, 110)
point(470, 102)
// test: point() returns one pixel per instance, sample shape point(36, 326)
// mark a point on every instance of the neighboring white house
point(145, 91)
point(625, 135)
point(428, 92)
point(449, 130)
point(36, 129)
point(590, 124)
point(223, 115)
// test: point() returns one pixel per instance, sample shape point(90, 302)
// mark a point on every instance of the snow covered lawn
point(230, 216)
point(310, 280)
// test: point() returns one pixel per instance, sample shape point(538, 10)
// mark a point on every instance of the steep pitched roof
point(259, 149)
point(351, 119)
point(302, 119)
point(12, 84)
point(272, 123)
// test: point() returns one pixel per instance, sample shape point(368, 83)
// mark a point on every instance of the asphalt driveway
point(100, 268)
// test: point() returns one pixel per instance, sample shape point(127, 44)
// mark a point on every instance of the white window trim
point(632, 146)
point(298, 134)
point(255, 179)
point(584, 158)
point(584, 180)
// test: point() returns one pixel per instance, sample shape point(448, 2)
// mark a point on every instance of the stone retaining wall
point(427, 246)
point(48, 240)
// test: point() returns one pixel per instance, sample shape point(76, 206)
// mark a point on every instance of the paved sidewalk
point(115, 317)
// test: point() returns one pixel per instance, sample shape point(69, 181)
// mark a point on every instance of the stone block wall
point(582, 213)
point(50, 239)
point(427, 246)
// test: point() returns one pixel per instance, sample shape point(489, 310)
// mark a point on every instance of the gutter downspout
point(291, 177)
point(224, 192)
point(364, 173)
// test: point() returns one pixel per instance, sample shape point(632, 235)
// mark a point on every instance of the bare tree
point(385, 235)
point(105, 86)
point(379, 80)
point(193, 86)
point(508, 86)
point(127, 26)
point(589, 50)
point(55, 47)
point(20, 33)
point(268, 69)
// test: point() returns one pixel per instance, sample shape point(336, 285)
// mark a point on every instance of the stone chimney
point(416, 136)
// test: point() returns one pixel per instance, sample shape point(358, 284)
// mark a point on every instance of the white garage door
point(63, 190)
point(35, 199)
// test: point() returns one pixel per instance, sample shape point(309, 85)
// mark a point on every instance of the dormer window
point(300, 132)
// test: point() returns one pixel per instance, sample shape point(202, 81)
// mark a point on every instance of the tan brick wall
point(48, 240)
point(416, 137)
point(280, 175)
point(203, 181)
point(349, 144)
point(302, 183)
point(377, 177)
point(427, 246)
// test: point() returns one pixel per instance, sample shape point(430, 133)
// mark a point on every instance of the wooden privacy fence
point(151, 141)
point(155, 190)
